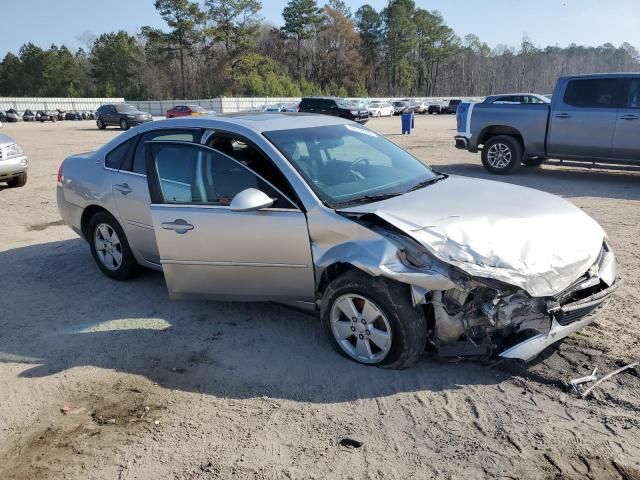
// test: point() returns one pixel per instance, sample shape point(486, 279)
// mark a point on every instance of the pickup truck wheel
point(101, 124)
point(373, 321)
point(533, 161)
point(110, 248)
point(501, 154)
point(124, 125)
point(19, 181)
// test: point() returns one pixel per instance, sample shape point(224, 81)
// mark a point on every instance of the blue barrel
point(407, 122)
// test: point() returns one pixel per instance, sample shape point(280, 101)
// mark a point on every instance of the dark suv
point(122, 115)
point(334, 106)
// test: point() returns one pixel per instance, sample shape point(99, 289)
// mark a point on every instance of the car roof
point(257, 121)
point(605, 75)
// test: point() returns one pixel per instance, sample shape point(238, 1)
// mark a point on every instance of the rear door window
point(593, 93)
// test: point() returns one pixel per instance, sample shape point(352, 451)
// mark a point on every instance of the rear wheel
point(373, 321)
point(19, 181)
point(502, 154)
point(110, 248)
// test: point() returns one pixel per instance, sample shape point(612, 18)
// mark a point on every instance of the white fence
point(243, 104)
point(160, 107)
point(51, 103)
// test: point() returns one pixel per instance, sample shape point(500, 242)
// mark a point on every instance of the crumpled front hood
point(524, 237)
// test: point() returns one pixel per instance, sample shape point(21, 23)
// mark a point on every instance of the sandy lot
point(106, 380)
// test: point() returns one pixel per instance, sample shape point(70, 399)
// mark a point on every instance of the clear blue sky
point(547, 22)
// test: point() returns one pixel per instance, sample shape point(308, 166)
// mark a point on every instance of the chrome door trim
point(233, 264)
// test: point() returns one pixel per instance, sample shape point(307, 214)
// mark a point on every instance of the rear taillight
point(60, 174)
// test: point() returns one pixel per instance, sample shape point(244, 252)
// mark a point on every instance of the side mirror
point(250, 200)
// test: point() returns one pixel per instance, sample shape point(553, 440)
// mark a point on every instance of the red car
point(185, 111)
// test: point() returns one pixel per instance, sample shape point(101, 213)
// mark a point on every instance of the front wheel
point(373, 321)
point(110, 248)
point(502, 154)
point(101, 124)
point(124, 125)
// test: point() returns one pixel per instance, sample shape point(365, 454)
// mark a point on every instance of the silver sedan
point(323, 213)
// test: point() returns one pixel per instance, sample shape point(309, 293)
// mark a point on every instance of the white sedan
point(380, 109)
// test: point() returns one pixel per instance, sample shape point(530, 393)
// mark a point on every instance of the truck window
point(593, 93)
point(632, 93)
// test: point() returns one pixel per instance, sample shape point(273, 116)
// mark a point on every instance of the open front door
point(208, 250)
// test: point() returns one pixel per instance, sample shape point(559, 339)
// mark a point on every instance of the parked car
point(321, 212)
point(517, 98)
point(278, 107)
point(451, 107)
point(13, 162)
point(46, 116)
point(292, 107)
point(3, 116)
point(400, 106)
point(28, 116)
point(434, 109)
point(421, 108)
point(12, 116)
point(591, 118)
point(381, 109)
point(122, 115)
point(185, 111)
point(73, 116)
point(62, 114)
point(335, 107)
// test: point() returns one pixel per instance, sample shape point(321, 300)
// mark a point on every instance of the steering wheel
point(357, 162)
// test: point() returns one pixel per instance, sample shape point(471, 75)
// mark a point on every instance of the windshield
point(126, 109)
point(348, 164)
point(197, 108)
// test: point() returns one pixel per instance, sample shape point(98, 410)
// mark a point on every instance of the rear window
point(157, 135)
point(116, 157)
point(593, 93)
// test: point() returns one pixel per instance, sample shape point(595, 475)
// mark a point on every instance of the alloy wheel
point(108, 246)
point(499, 156)
point(361, 328)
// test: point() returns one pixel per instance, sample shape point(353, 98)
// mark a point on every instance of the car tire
point(19, 181)
point(124, 125)
point(101, 228)
point(502, 154)
point(394, 313)
point(533, 161)
point(101, 124)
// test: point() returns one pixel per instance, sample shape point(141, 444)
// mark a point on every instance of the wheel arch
point(330, 273)
point(496, 130)
point(87, 214)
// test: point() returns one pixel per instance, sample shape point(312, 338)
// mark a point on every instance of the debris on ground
point(350, 443)
point(593, 378)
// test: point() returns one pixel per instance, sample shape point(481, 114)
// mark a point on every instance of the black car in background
point(334, 106)
point(452, 107)
point(121, 115)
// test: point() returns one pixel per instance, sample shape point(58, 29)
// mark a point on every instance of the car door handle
point(179, 226)
point(629, 117)
point(123, 188)
point(563, 115)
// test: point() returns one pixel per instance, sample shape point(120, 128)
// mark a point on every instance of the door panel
point(263, 255)
point(626, 139)
point(582, 123)
point(131, 194)
point(209, 251)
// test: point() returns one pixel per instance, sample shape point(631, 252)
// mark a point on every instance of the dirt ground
point(107, 380)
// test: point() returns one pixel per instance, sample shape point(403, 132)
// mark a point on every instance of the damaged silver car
point(324, 213)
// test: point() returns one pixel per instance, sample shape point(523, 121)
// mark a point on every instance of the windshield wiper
point(426, 183)
point(367, 199)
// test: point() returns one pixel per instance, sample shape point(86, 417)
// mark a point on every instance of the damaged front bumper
point(565, 321)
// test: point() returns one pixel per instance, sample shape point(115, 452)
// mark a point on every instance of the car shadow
point(562, 180)
point(60, 312)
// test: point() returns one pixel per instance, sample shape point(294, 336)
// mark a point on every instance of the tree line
point(223, 47)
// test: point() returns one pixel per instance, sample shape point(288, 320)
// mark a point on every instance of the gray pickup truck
point(591, 118)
